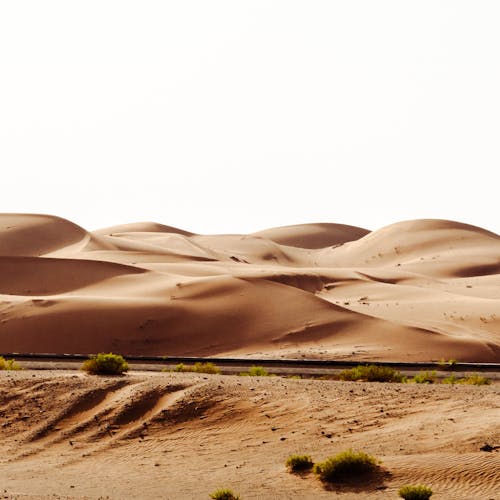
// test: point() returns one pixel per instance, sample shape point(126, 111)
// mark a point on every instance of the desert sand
point(181, 436)
point(412, 291)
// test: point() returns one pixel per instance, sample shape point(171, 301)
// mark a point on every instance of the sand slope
point(181, 436)
point(417, 290)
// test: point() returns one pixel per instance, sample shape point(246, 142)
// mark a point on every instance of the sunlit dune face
point(417, 290)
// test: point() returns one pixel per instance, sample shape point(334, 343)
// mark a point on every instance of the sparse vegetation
point(372, 373)
point(299, 463)
point(474, 379)
point(425, 378)
point(446, 365)
point(255, 371)
point(198, 368)
point(105, 364)
point(452, 379)
point(418, 492)
point(345, 466)
point(9, 364)
point(224, 494)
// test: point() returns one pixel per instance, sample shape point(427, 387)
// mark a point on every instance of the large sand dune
point(419, 290)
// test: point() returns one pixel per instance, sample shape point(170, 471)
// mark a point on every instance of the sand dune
point(313, 235)
point(416, 290)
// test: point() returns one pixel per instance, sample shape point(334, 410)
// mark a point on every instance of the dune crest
point(313, 235)
point(412, 291)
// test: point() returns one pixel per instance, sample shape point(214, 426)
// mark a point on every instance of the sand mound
point(35, 235)
point(313, 235)
point(418, 243)
point(141, 227)
point(417, 290)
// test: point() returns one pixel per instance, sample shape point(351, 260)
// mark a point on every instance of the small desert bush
point(299, 463)
point(198, 368)
point(418, 492)
point(446, 364)
point(424, 378)
point(475, 380)
point(345, 466)
point(224, 494)
point(105, 364)
point(470, 380)
point(206, 368)
point(9, 364)
point(452, 379)
point(255, 371)
point(372, 373)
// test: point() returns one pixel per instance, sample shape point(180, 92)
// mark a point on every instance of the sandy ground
point(180, 436)
point(413, 291)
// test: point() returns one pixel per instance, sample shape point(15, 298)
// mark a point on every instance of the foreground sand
point(413, 291)
point(180, 436)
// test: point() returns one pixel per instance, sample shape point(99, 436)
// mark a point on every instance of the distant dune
point(412, 291)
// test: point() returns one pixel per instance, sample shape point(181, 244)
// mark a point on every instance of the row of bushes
point(254, 371)
point(366, 373)
point(377, 373)
point(198, 368)
point(115, 364)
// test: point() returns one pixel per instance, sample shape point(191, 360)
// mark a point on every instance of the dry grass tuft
point(198, 368)
point(347, 465)
point(224, 494)
point(9, 364)
point(299, 463)
point(418, 492)
point(372, 373)
point(256, 371)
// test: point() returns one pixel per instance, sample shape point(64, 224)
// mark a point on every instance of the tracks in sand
point(105, 416)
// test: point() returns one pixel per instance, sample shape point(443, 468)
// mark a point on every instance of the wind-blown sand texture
point(181, 436)
point(413, 291)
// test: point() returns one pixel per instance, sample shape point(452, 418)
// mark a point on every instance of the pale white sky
point(234, 116)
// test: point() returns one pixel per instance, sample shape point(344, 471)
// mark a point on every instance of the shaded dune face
point(413, 291)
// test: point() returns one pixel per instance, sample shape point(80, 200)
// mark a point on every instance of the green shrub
point(345, 466)
point(255, 371)
point(298, 463)
point(105, 364)
point(475, 380)
point(9, 364)
point(470, 380)
point(224, 494)
point(372, 373)
point(425, 378)
point(446, 365)
point(418, 492)
point(198, 368)
point(206, 368)
point(452, 379)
